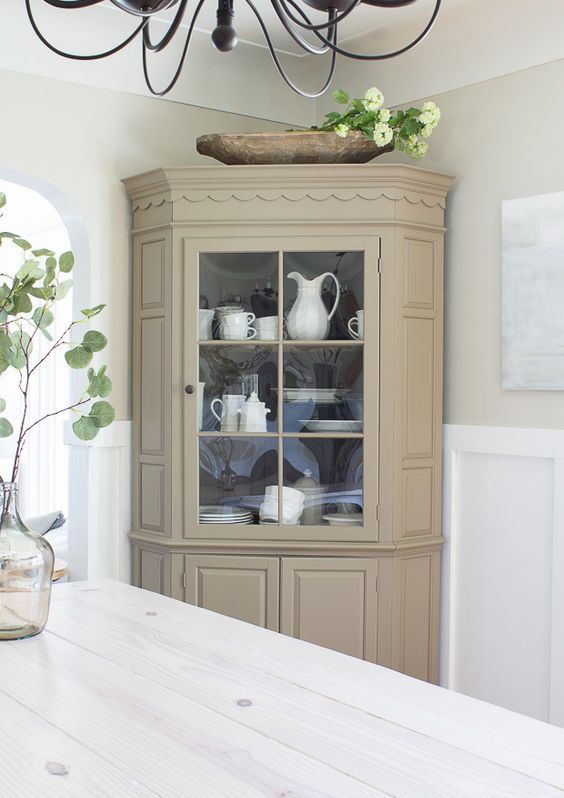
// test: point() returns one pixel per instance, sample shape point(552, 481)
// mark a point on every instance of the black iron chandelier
point(290, 13)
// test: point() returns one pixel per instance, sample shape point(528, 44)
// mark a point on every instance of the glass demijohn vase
point(26, 571)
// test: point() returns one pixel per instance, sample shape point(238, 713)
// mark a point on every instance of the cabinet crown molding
point(290, 182)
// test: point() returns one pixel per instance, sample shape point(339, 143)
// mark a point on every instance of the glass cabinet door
point(281, 391)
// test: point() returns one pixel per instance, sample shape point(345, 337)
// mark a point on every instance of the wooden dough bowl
point(289, 147)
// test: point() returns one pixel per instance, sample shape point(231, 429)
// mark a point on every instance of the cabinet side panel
point(152, 381)
point(419, 338)
point(151, 576)
point(152, 275)
point(416, 632)
point(151, 496)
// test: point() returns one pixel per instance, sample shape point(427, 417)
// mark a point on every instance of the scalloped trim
point(290, 195)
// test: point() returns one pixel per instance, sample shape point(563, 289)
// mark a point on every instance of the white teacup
point(356, 325)
point(267, 328)
point(236, 326)
point(205, 320)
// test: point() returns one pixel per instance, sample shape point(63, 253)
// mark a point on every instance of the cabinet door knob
point(189, 389)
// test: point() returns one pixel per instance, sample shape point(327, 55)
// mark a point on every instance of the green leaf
point(42, 293)
point(30, 268)
point(43, 318)
point(78, 357)
point(85, 428)
point(333, 115)
point(91, 312)
point(2, 199)
point(94, 341)
point(22, 243)
point(66, 262)
point(3, 362)
point(410, 127)
point(21, 347)
point(5, 234)
point(99, 384)
point(5, 342)
point(42, 253)
point(63, 289)
point(102, 413)
point(6, 428)
point(341, 97)
point(2, 405)
point(50, 270)
point(21, 304)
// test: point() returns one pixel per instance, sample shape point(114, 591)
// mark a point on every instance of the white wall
point(243, 81)
point(75, 144)
point(83, 141)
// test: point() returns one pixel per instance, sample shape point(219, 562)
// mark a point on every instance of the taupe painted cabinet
point(350, 417)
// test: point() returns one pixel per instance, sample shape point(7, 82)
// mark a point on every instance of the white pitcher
point(308, 319)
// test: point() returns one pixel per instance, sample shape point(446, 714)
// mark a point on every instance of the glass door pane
point(319, 285)
point(329, 474)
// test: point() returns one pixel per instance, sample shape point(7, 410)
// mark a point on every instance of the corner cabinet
point(287, 458)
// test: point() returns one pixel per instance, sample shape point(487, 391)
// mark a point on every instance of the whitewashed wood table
point(130, 694)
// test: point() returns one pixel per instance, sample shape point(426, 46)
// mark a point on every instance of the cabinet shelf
point(284, 342)
point(216, 434)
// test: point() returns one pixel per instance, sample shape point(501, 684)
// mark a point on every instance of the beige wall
point(502, 139)
point(82, 140)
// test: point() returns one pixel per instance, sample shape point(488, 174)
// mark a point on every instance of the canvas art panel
point(532, 319)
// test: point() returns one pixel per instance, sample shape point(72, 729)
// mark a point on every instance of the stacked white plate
point(223, 514)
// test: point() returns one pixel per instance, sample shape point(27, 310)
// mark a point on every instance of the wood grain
point(178, 701)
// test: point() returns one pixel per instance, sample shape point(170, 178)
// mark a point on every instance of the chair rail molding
point(502, 635)
point(100, 503)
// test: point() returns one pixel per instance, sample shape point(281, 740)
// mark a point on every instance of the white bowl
point(344, 519)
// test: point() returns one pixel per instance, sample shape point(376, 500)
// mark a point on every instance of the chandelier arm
point(296, 36)
point(308, 24)
point(384, 56)
point(280, 68)
point(169, 35)
point(176, 75)
point(72, 3)
point(75, 56)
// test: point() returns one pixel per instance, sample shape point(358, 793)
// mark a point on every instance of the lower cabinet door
point(242, 587)
point(331, 602)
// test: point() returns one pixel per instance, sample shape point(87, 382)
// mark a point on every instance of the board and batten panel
point(246, 588)
point(331, 602)
point(501, 543)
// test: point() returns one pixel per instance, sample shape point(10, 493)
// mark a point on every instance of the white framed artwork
point(532, 293)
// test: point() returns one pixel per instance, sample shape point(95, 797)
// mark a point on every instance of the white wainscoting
point(502, 622)
point(100, 503)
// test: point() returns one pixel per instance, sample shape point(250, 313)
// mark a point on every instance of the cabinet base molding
point(381, 608)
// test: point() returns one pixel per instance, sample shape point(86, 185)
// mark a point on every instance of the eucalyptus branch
point(28, 302)
point(82, 401)
point(59, 342)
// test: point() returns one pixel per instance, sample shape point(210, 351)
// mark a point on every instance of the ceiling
point(361, 23)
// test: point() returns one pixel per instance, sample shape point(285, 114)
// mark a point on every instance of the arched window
point(44, 473)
